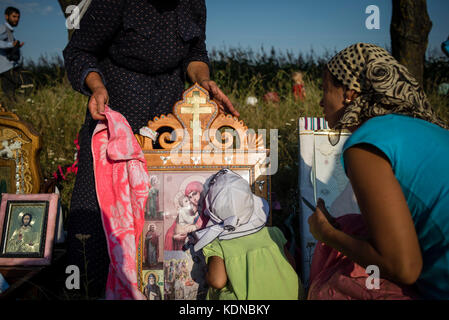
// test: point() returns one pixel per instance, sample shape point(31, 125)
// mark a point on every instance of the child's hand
point(191, 228)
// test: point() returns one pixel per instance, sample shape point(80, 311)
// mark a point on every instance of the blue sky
point(295, 25)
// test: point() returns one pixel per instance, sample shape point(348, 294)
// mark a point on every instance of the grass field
point(57, 111)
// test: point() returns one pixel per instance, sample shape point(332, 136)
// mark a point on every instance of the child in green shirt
point(246, 260)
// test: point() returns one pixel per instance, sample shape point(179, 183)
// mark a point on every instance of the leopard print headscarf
point(384, 86)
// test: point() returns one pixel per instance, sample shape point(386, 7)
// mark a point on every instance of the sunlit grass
point(57, 112)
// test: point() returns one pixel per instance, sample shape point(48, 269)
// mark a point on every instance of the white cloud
point(47, 10)
point(32, 7)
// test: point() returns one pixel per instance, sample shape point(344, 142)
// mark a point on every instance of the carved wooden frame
point(12, 128)
point(183, 149)
point(9, 164)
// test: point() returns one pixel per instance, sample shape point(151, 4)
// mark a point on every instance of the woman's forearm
point(361, 252)
point(198, 71)
point(94, 81)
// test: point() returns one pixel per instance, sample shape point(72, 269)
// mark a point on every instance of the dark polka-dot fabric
point(383, 85)
point(141, 49)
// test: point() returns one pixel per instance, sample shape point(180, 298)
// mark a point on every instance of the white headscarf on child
point(233, 209)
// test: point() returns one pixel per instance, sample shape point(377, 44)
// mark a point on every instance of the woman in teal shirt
point(397, 160)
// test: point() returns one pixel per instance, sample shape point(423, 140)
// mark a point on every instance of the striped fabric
point(312, 123)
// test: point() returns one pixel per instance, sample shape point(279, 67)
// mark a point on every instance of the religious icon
point(153, 246)
point(24, 238)
point(152, 211)
point(187, 215)
point(182, 207)
point(152, 288)
point(24, 226)
point(169, 277)
point(188, 218)
point(181, 198)
point(184, 278)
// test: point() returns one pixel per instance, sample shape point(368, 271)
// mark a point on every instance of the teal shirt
point(419, 155)
point(256, 267)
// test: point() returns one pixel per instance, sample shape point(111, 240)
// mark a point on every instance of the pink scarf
point(122, 186)
point(334, 277)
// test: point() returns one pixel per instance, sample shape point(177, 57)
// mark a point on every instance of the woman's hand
point(198, 71)
point(97, 101)
point(321, 223)
point(99, 97)
point(222, 100)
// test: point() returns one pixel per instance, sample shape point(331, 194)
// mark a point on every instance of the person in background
point(10, 56)
point(271, 97)
point(299, 91)
point(445, 47)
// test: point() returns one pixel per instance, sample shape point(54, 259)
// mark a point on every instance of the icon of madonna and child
point(172, 211)
point(187, 214)
point(176, 199)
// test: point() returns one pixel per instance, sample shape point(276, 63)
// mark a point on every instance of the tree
point(409, 30)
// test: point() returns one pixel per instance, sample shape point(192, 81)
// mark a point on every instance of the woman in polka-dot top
point(133, 55)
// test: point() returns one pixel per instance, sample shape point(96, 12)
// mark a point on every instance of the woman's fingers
point(317, 224)
point(93, 109)
point(228, 104)
point(322, 206)
point(224, 103)
point(320, 226)
point(214, 88)
point(97, 103)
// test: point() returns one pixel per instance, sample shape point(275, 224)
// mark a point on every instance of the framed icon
point(27, 228)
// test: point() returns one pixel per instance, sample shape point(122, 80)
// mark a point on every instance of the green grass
point(57, 112)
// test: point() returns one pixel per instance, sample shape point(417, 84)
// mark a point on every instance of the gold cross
point(196, 101)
